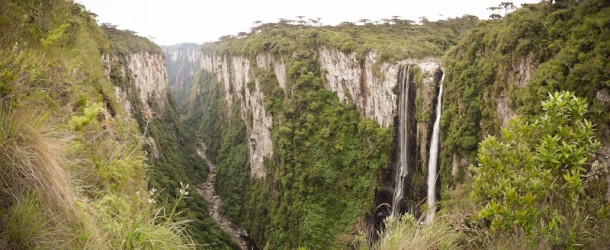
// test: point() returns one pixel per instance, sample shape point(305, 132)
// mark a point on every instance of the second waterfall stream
point(433, 162)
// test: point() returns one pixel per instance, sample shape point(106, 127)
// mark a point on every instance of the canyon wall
point(369, 85)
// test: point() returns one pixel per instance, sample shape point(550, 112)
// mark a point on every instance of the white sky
point(177, 21)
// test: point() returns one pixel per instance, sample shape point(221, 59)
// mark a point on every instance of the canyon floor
point(213, 200)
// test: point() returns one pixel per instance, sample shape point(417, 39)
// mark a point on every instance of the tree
point(507, 6)
point(532, 179)
point(301, 20)
point(364, 21)
point(315, 21)
point(494, 15)
point(423, 20)
point(395, 19)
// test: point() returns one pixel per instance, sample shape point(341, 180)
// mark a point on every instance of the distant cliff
point(141, 86)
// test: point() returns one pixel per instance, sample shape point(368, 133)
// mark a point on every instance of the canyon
point(297, 135)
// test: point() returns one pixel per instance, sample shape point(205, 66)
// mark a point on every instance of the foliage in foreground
point(538, 180)
point(408, 233)
point(506, 65)
point(72, 166)
point(538, 186)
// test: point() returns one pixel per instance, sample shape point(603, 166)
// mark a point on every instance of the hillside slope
point(505, 67)
point(92, 155)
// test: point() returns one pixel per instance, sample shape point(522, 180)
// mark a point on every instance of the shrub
point(532, 179)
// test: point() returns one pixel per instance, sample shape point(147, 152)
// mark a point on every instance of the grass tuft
point(407, 233)
point(32, 161)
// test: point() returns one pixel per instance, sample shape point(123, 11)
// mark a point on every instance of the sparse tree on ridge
point(494, 13)
point(507, 6)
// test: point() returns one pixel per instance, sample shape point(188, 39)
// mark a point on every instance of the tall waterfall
point(433, 162)
point(402, 163)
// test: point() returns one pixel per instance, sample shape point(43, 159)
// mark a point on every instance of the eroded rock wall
point(234, 73)
point(369, 84)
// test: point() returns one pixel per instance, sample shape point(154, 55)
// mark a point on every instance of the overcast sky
point(177, 21)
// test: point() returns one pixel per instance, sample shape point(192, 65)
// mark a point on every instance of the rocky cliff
point(317, 110)
point(235, 73)
point(88, 136)
point(141, 81)
point(140, 78)
point(145, 74)
point(183, 64)
point(369, 85)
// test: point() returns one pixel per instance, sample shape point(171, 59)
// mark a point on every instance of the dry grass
point(407, 233)
point(32, 161)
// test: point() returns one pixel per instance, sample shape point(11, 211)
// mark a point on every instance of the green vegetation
point(500, 67)
point(77, 172)
point(319, 145)
point(322, 177)
point(560, 46)
point(74, 166)
point(173, 158)
point(299, 203)
point(394, 40)
point(537, 182)
point(178, 162)
point(538, 186)
point(125, 41)
point(532, 180)
point(407, 233)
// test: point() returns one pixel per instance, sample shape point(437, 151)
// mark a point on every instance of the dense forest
point(318, 136)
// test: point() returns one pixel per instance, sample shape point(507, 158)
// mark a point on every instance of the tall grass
point(133, 223)
point(42, 210)
point(32, 160)
point(407, 233)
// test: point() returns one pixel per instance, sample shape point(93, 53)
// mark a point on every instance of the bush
point(532, 180)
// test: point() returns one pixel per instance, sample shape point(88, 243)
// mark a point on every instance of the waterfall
point(433, 162)
point(402, 166)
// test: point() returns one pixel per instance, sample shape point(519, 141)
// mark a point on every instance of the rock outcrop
point(370, 85)
point(235, 73)
point(183, 62)
point(143, 73)
point(141, 86)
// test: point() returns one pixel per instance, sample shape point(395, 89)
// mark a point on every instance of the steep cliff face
point(373, 86)
point(141, 82)
point(88, 135)
point(370, 85)
point(183, 61)
point(319, 111)
point(234, 73)
point(268, 62)
point(183, 64)
point(145, 74)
